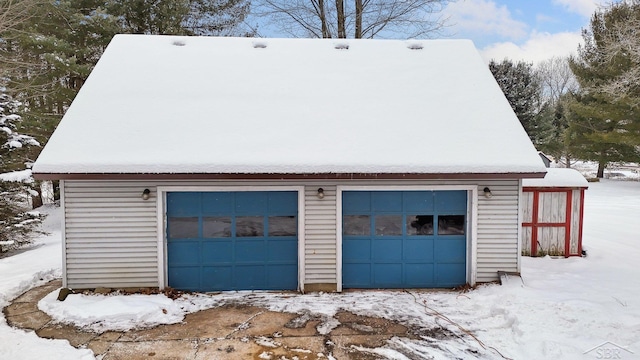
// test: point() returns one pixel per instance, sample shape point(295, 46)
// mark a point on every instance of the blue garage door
point(404, 239)
point(232, 240)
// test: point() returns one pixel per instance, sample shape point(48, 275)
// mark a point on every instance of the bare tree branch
point(356, 19)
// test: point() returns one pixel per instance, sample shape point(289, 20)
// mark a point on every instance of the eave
point(264, 176)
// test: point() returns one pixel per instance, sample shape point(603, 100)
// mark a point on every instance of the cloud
point(484, 16)
point(539, 47)
point(585, 8)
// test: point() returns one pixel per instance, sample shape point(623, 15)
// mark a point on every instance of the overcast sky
point(530, 30)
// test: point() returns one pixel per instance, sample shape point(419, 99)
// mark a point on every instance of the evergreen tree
point(17, 223)
point(605, 124)
point(556, 140)
point(522, 89)
point(180, 17)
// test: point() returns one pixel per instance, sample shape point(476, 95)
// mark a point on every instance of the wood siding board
point(575, 223)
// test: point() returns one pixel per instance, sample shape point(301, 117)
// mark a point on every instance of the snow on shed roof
point(169, 104)
point(558, 177)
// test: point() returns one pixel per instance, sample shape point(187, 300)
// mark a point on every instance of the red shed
point(552, 213)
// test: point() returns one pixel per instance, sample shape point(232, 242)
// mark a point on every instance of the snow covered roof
point(188, 105)
point(558, 177)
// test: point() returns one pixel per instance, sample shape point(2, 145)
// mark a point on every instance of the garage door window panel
point(283, 226)
point(183, 227)
point(249, 226)
point(419, 225)
point(356, 225)
point(388, 225)
point(451, 225)
point(216, 227)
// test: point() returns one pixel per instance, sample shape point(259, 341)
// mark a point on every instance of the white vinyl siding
point(320, 235)
point(498, 226)
point(111, 234)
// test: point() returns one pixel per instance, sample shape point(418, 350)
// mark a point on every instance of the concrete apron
point(227, 332)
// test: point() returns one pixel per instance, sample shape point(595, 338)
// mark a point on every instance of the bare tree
point(357, 19)
point(13, 13)
point(556, 78)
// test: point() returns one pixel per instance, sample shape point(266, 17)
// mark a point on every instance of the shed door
point(404, 239)
point(232, 240)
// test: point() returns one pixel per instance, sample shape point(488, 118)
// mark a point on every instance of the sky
point(528, 30)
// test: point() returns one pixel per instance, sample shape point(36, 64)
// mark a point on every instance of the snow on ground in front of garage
point(565, 308)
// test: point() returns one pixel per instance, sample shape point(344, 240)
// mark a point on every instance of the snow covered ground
point(565, 308)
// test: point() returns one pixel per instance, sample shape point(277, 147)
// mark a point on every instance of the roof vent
point(178, 43)
point(341, 46)
point(259, 45)
point(415, 46)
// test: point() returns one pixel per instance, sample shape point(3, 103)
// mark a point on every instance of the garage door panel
point(249, 251)
point(354, 203)
point(420, 275)
point(217, 277)
point(451, 201)
point(387, 250)
point(356, 250)
point(184, 204)
point(250, 277)
point(451, 251)
point(282, 277)
point(232, 240)
point(449, 275)
point(418, 201)
point(186, 277)
point(282, 203)
point(387, 274)
point(419, 249)
point(282, 250)
point(386, 201)
point(217, 203)
point(181, 252)
point(250, 202)
point(357, 274)
point(216, 251)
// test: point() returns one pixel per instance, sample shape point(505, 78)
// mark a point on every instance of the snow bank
point(17, 176)
point(26, 270)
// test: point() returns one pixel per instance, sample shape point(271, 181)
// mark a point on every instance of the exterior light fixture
point(320, 193)
point(487, 193)
point(145, 194)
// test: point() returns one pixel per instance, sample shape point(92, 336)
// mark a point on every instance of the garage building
point(212, 164)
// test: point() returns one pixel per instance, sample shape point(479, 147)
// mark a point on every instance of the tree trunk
point(358, 34)
point(323, 20)
point(601, 165)
point(342, 31)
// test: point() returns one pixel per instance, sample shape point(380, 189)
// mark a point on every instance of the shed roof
point(209, 105)
point(558, 177)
